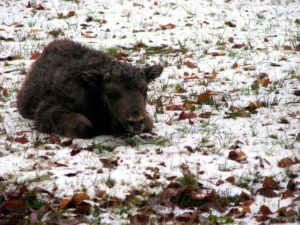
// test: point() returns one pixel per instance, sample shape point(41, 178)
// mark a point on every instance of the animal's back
point(48, 74)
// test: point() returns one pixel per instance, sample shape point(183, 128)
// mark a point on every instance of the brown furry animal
point(80, 92)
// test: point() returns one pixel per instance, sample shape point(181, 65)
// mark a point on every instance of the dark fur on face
point(80, 92)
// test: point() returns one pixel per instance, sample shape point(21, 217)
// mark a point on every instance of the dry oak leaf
point(205, 115)
point(174, 107)
point(266, 192)
point(190, 65)
point(186, 115)
point(215, 54)
point(237, 155)
point(21, 140)
point(285, 162)
point(238, 46)
point(265, 210)
point(270, 183)
point(167, 26)
point(230, 24)
point(284, 211)
point(230, 179)
point(234, 65)
point(204, 97)
point(287, 47)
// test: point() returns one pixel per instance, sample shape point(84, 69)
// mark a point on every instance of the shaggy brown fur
point(80, 92)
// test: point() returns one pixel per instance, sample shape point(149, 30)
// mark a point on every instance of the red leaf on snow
point(70, 14)
point(215, 54)
point(269, 193)
point(287, 47)
point(167, 26)
point(190, 65)
point(205, 115)
point(174, 107)
point(21, 140)
point(230, 180)
point(285, 162)
point(238, 45)
point(230, 24)
point(265, 210)
point(204, 97)
point(237, 155)
point(270, 183)
point(187, 115)
point(234, 65)
point(287, 194)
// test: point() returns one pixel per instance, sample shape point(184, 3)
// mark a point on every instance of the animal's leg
point(51, 117)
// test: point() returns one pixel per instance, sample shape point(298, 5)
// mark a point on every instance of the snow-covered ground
point(226, 107)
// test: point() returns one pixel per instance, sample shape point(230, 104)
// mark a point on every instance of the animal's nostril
point(136, 124)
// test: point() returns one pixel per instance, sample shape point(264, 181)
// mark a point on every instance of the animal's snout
point(136, 125)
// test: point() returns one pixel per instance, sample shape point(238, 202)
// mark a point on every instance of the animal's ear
point(152, 72)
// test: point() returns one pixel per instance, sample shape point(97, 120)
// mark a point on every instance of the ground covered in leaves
point(225, 147)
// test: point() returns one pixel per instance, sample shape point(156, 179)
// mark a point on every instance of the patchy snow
point(251, 65)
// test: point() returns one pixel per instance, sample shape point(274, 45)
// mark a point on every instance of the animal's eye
point(112, 95)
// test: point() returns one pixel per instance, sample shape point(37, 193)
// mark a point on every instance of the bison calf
point(80, 92)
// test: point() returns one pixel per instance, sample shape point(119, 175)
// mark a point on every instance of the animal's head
point(125, 94)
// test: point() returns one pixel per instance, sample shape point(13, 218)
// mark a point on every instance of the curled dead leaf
point(270, 183)
point(205, 97)
point(238, 46)
point(167, 26)
point(79, 197)
point(237, 155)
point(190, 64)
point(230, 179)
point(287, 47)
point(266, 192)
point(265, 210)
point(285, 162)
point(186, 115)
point(230, 24)
point(215, 54)
point(234, 65)
point(21, 140)
point(174, 107)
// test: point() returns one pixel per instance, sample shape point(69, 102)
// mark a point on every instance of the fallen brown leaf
point(167, 26)
point(174, 107)
point(190, 65)
point(186, 115)
point(205, 97)
point(237, 155)
point(265, 210)
point(266, 192)
point(285, 162)
point(230, 24)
